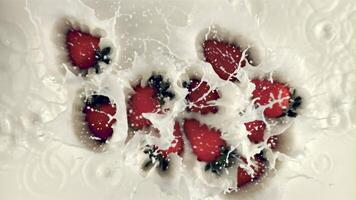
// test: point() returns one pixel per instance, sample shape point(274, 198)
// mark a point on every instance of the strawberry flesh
point(257, 131)
point(243, 178)
point(205, 142)
point(99, 119)
point(82, 48)
point(273, 142)
point(275, 93)
point(225, 58)
point(202, 97)
point(144, 100)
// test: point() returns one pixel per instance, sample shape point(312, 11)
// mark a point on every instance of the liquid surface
point(307, 43)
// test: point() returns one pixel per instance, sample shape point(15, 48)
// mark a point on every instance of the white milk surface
point(305, 43)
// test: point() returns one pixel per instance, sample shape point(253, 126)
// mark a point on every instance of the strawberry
point(278, 94)
point(148, 99)
point(201, 97)
point(84, 51)
point(208, 146)
point(244, 178)
point(142, 101)
point(99, 112)
point(257, 129)
point(225, 58)
point(160, 155)
point(273, 141)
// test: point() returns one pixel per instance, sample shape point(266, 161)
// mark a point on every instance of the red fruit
point(206, 142)
point(257, 131)
point(244, 178)
point(225, 58)
point(272, 142)
point(277, 93)
point(177, 143)
point(202, 97)
point(82, 48)
point(144, 100)
point(99, 119)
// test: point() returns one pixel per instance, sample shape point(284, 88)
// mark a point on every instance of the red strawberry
point(148, 100)
point(244, 178)
point(225, 58)
point(272, 142)
point(206, 142)
point(144, 100)
point(202, 97)
point(99, 114)
point(84, 51)
point(277, 93)
point(161, 156)
point(257, 130)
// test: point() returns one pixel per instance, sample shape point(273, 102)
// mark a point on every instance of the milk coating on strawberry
point(225, 58)
point(277, 97)
point(201, 98)
point(99, 112)
point(177, 143)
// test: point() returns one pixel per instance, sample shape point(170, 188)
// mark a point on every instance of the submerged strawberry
point(201, 97)
point(257, 131)
point(225, 58)
point(243, 177)
point(148, 99)
point(99, 112)
point(142, 101)
point(83, 49)
point(282, 101)
point(208, 146)
point(161, 156)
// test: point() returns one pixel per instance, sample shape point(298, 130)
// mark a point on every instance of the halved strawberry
point(160, 155)
point(208, 146)
point(243, 178)
point(278, 94)
point(148, 99)
point(257, 131)
point(144, 100)
point(201, 97)
point(84, 51)
point(225, 58)
point(99, 112)
point(206, 142)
